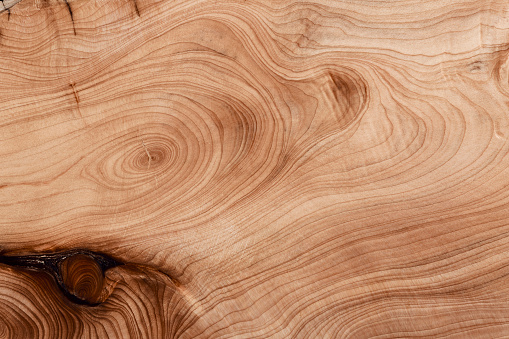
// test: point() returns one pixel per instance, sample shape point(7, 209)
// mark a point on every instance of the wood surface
point(254, 169)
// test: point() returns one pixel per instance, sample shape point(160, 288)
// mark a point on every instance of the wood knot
point(78, 273)
point(83, 278)
point(153, 156)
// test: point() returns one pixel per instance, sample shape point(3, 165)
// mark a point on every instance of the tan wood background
point(254, 169)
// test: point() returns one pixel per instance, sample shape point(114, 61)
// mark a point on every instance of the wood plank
point(254, 169)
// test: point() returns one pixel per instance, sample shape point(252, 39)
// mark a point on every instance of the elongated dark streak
point(136, 7)
point(76, 96)
point(72, 18)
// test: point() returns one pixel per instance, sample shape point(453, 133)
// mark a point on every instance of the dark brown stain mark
point(136, 8)
point(477, 66)
point(350, 94)
point(72, 17)
point(78, 273)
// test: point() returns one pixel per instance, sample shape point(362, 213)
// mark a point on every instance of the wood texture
point(254, 169)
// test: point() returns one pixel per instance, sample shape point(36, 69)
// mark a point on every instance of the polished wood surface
point(254, 169)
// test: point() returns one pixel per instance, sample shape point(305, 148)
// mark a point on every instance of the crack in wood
point(73, 85)
point(72, 17)
point(77, 98)
point(8, 9)
point(136, 8)
point(148, 154)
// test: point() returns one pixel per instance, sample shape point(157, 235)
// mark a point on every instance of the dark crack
point(136, 7)
point(72, 17)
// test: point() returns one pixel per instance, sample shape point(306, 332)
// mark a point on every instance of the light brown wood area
point(254, 169)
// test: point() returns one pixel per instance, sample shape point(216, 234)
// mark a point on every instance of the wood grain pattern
point(254, 169)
